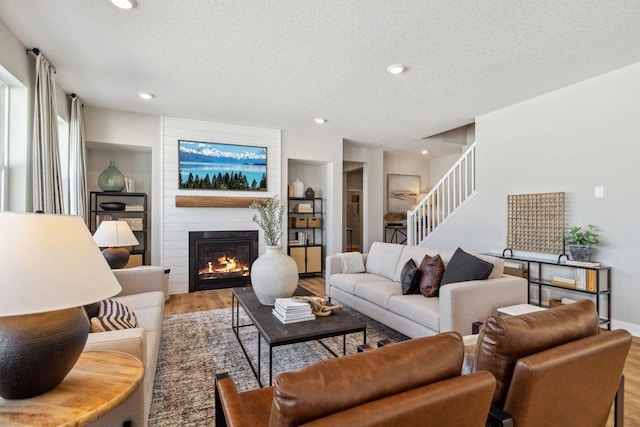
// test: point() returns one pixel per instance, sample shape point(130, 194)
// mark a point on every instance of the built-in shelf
point(307, 252)
point(139, 254)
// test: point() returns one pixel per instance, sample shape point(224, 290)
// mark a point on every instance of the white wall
point(134, 164)
point(177, 222)
point(311, 174)
point(132, 140)
point(120, 127)
point(324, 154)
point(373, 190)
point(441, 165)
point(570, 140)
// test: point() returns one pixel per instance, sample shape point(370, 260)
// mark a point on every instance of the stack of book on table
point(289, 311)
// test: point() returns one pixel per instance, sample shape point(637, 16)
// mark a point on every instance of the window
point(15, 182)
point(4, 138)
point(63, 150)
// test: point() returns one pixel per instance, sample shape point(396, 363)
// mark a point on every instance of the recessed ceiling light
point(396, 68)
point(425, 151)
point(124, 4)
point(145, 95)
point(320, 120)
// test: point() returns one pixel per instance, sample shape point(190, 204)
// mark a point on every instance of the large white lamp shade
point(51, 266)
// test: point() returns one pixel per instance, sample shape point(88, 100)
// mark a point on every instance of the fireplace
point(221, 259)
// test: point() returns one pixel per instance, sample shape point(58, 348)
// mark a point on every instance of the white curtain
point(77, 161)
point(47, 183)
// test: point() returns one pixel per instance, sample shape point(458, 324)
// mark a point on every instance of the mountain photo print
point(217, 166)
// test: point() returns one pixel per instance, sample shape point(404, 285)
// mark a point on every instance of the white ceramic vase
point(274, 275)
point(298, 188)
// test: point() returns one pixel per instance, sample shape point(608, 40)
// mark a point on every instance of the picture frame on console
point(221, 166)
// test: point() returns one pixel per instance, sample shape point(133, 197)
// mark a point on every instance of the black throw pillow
point(92, 309)
point(410, 278)
point(464, 267)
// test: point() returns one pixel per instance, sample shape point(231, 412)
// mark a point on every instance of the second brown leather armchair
point(553, 367)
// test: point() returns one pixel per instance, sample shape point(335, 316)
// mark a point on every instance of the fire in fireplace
point(224, 266)
point(221, 259)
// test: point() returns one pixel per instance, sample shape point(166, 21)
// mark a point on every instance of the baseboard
point(633, 328)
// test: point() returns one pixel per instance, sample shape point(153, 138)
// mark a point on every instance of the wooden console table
point(97, 384)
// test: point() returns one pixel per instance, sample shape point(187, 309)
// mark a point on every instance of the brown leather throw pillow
point(432, 269)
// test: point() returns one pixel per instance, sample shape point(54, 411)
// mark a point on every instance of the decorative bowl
point(112, 206)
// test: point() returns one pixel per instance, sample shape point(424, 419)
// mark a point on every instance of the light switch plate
point(599, 191)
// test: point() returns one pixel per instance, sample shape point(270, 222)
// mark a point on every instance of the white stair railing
point(455, 189)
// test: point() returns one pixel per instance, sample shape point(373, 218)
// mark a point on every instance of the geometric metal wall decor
point(535, 222)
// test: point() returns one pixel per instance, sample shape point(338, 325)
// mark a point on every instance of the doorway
point(353, 184)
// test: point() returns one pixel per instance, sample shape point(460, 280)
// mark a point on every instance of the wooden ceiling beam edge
point(216, 201)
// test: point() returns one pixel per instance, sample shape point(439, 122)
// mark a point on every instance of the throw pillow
point(113, 316)
point(352, 262)
point(410, 278)
point(464, 267)
point(92, 309)
point(431, 270)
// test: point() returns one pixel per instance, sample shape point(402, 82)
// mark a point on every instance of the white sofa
point(142, 292)
point(377, 292)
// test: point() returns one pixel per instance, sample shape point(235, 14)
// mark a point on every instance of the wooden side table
point(97, 384)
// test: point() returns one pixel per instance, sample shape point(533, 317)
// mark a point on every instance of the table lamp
point(115, 236)
point(50, 267)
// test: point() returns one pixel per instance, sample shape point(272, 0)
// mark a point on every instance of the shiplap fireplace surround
point(208, 210)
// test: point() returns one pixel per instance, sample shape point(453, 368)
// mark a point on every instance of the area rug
point(195, 347)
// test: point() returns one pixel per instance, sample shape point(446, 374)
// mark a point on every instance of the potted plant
point(274, 274)
point(582, 242)
point(269, 218)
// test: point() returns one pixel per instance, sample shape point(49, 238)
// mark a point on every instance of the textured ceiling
point(280, 63)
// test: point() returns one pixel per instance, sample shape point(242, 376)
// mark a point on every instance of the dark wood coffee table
point(275, 333)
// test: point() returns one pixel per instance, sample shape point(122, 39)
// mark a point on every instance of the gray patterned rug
point(196, 346)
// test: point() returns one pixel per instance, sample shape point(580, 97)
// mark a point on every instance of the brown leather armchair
point(412, 383)
point(552, 367)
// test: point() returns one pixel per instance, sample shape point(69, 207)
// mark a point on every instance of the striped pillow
point(113, 316)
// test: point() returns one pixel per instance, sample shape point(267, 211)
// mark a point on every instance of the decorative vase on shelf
point(298, 188)
point(309, 194)
point(274, 275)
point(111, 180)
point(581, 252)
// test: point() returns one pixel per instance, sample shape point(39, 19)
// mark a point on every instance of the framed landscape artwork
point(218, 166)
point(402, 191)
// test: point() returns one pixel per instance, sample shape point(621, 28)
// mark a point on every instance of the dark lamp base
point(37, 351)
point(116, 257)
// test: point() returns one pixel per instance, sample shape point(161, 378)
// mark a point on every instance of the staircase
point(455, 189)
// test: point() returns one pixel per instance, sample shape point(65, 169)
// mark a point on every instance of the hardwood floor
point(210, 300)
